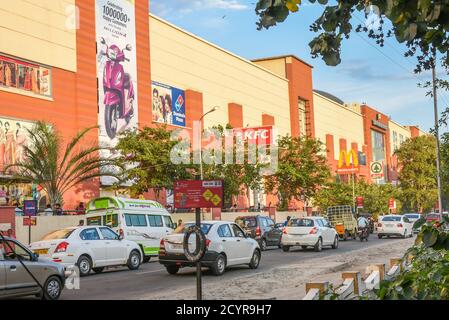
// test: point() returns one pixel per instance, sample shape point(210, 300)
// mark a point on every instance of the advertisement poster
point(168, 105)
point(13, 138)
point(25, 76)
point(116, 71)
point(198, 194)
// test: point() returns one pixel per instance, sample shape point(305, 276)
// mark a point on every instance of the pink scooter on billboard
point(118, 89)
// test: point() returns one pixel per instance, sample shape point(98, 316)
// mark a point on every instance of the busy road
point(121, 283)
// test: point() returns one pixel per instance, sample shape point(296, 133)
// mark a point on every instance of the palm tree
point(56, 170)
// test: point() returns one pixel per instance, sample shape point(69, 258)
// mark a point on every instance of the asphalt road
point(121, 283)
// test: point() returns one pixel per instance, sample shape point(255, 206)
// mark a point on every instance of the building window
point(401, 139)
point(25, 77)
point(302, 105)
point(395, 141)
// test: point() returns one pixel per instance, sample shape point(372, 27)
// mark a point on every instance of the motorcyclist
point(363, 225)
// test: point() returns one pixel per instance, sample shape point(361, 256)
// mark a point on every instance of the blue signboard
point(169, 105)
point(30, 207)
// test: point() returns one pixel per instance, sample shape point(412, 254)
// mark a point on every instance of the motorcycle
point(363, 234)
point(118, 88)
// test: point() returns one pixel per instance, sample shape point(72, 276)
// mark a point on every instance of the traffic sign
point(30, 207)
point(29, 221)
point(377, 170)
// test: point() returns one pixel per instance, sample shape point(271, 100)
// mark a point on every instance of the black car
point(261, 228)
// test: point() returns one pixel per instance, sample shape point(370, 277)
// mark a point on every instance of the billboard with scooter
point(116, 71)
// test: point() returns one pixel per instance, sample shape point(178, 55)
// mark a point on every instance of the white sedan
point(89, 248)
point(394, 225)
point(313, 232)
point(226, 245)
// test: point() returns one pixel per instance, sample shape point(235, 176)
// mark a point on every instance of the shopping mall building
point(53, 67)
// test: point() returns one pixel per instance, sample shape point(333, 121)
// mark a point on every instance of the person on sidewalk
point(48, 210)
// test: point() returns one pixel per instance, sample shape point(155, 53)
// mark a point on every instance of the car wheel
point(263, 244)
point(286, 248)
point(146, 259)
point(98, 270)
point(303, 247)
point(319, 245)
point(219, 266)
point(379, 236)
point(85, 265)
point(52, 288)
point(172, 269)
point(255, 260)
point(335, 244)
point(134, 260)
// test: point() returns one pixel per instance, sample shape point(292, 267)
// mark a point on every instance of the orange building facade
point(63, 53)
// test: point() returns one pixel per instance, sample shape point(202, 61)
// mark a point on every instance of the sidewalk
point(288, 283)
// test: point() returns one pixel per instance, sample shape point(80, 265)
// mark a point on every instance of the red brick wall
point(8, 215)
point(235, 115)
point(300, 79)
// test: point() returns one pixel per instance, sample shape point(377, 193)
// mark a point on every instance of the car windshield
point(246, 222)
point(59, 234)
point(301, 223)
point(391, 219)
point(205, 227)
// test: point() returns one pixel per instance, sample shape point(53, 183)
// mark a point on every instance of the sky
point(381, 77)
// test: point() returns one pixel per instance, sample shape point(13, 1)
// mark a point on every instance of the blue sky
point(381, 77)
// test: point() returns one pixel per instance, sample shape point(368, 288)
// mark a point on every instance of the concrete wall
point(180, 59)
point(399, 130)
point(44, 226)
point(40, 31)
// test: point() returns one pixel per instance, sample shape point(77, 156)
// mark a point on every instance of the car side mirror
point(34, 256)
point(120, 237)
point(175, 225)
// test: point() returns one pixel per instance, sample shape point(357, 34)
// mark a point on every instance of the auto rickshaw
point(343, 220)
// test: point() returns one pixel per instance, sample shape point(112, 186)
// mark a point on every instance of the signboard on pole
point(29, 221)
point(377, 170)
point(30, 207)
point(360, 202)
point(348, 163)
point(392, 204)
point(198, 194)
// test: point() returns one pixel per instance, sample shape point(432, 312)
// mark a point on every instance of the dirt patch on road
point(288, 282)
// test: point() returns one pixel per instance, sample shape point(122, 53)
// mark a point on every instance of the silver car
point(15, 281)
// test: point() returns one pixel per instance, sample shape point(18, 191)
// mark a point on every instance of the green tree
point(421, 24)
point(445, 168)
point(301, 171)
point(55, 168)
point(417, 158)
point(146, 155)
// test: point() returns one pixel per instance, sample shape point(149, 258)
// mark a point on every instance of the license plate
point(41, 251)
point(389, 225)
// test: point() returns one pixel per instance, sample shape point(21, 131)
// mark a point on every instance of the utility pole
point(437, 134)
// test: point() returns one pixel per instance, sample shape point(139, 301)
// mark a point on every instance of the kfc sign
point(256, 135)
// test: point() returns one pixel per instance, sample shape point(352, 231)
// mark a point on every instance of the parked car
point(89, 248)
point(394, 225)
point(307, 232)
point(227, 245)
point(432, 217)
point(142, 221)
point(414, 217)
point(15, 281)
point(262, 229)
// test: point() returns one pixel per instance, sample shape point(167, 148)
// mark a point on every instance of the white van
point(142, 221)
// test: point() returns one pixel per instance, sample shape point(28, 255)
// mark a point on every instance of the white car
point(306, 232)
point(227, 245)
point(413, 217)
point(89, 248)
point(394, 225)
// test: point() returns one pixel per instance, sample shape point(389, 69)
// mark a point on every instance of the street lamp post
point(199, 137)
point(199, 293)
point(437, 134)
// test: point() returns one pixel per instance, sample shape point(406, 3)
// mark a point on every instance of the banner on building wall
point(116, 71)
point(14, 137)
point(25, 76)
point(169, 104)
